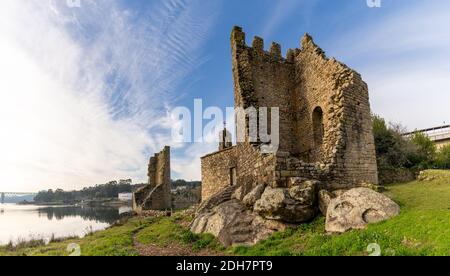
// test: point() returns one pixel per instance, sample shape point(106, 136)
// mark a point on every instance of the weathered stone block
point(251, 198)
point(233, 225)
point(278, 205)
point(305, 193)
point(358, 207)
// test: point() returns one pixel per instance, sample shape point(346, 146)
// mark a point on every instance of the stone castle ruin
point(325, 122)
point(325, 143)
point(157, 194)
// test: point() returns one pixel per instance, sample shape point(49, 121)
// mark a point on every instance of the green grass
point(118, 240)
point(166, 231)
point(422, 228)
point(162, 233)
point(115, 241)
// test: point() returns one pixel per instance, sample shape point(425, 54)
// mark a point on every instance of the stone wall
point(216, 171)
point(263, 79)
point(252, 168)
point(348, 147)
point(157, 194)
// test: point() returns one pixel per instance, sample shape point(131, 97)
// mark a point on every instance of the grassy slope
point(120, 240)
point(422, 228)
point(115, 241)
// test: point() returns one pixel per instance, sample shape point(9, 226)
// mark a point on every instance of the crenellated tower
point(324, 105)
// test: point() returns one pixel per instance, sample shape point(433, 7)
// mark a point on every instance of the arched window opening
point(318, 127)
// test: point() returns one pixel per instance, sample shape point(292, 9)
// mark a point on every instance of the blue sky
point(87, 91)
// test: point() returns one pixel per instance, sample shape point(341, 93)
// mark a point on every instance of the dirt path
point(175, 249)
point(172, 250)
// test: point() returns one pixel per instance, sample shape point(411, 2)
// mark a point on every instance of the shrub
point(425, 153)
point(205, 241)
point(188, 237)
point(392, 149)
point(443, 158)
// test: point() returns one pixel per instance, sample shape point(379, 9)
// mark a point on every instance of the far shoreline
point(87, 203)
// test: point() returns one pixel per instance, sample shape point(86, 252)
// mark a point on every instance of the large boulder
point(325, 197)
point(238, 193)
point(358, 207)
point(254, 195)
point(233, 224)
point(241, 191)
point(304, 193)
point(278, 204)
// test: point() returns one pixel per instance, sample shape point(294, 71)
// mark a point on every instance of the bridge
point(439, 135)
point(3, 194)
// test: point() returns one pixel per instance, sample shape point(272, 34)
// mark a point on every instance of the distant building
point(125, 196)
point(439, 135)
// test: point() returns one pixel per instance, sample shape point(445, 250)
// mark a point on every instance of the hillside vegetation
point(422, 228)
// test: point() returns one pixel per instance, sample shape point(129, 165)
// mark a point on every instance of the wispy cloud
point(285, 10)
point(402, 57)
point(85, 91)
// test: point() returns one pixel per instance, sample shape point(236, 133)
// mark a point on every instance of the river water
point(25, 222)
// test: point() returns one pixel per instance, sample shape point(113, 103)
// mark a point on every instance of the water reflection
point(99, 214)
point(26, 222)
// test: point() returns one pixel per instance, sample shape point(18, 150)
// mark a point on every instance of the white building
point(125, 196)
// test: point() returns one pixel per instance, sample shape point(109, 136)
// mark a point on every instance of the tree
point(425, 153)
point(391, 148)
point(443, 157)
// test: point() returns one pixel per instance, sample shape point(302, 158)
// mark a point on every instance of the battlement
point(238, 40)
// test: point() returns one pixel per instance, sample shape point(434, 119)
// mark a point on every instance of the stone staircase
point(241, 230)
point(217, 199)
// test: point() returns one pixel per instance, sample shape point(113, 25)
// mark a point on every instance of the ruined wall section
point(357, 162)
point(314, 89)
point(159, 177)
point(215, 169)
point(347, 152)
point(157, 194)
point(252, 168)
point(263, 79)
